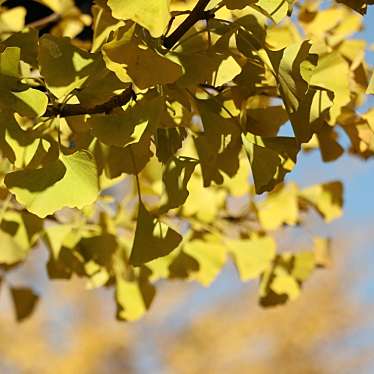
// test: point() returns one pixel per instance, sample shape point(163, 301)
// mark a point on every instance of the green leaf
point(154, 15)
point(153, 238)
point(70, 181)
point(24, 301)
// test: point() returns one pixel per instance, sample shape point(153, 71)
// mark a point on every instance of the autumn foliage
point(140, 154)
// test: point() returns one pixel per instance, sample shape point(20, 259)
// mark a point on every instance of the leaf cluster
point(140, 155)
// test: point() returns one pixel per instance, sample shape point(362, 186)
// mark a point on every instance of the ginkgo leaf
point(9, 62)
point(266, 121)
point(270, 158)
point(326, 198)
point(55, 237)
point(117, 129)
point(142, 140)
point(133, 297)
point(274, 9)
point(252, 256)
point(59, 54)
point(27, 42)
point(169, 141)
point(24, 227)
point(271, 211)
point(176, 176)
point(198, 197)
point(283, 279)
point(219, 146)
point(227, 71)
point(210, 254)
point(15, 96)
point(11, 252)
point(324, 76)
point(130, 126)
point(103, 25)
point(131, 159)
point(24, 301)
point(70, 181)
point(133, 61)
point(12, 20)
point(291, 82)
point(307, 108)
point(153, 238)
point(330, 149)
point(154, 15)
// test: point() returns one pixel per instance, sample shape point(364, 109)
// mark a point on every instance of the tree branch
point(198, 13)
point(67, 110)
point(40, 23)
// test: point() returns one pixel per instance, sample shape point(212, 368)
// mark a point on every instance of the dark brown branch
point(198, 13)
point(67, 110)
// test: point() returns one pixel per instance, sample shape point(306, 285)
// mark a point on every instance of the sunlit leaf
point(154, 15)
point(210, 255)
point(252, 256)
point(70, 181)
point(326, 198)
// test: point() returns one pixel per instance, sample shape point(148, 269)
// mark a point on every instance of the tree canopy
point(158, 148)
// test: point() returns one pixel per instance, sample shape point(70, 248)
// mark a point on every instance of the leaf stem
point(136, 175)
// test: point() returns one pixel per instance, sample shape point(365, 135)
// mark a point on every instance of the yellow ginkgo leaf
point(252, 256)
point(153, 15)
point(326, 198)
